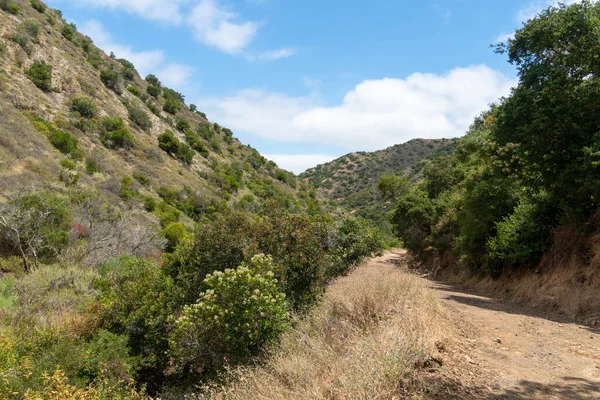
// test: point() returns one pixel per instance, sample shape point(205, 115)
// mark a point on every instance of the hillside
point(351, 180)
point(76, 119)
point(354, 172)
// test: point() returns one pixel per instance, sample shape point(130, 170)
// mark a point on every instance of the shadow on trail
point(460, 295)
point(475, 299)
point(570, 388)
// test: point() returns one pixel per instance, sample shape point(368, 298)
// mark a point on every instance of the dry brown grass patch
point(362, 342)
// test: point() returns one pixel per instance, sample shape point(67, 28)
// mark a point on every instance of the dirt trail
point(514, 352)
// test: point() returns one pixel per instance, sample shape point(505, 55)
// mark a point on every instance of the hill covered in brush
point(74, 118)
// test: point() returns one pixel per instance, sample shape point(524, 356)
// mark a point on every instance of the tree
point(35, 225)
point(549, 124)
point(392, 186)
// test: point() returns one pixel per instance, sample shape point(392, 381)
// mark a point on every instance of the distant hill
point(354, 172)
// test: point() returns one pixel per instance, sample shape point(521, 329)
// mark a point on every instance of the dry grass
point(361, 342)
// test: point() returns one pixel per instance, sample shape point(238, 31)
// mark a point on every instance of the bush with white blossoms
point(241, 312)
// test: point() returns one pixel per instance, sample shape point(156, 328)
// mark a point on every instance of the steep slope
point(355, 172)
point(73, 119)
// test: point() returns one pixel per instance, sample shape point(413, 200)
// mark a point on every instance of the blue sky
point(307, 81)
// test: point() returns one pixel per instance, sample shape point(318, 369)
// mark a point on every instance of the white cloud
point(374, 115)
point(215, 26)
point(146, 62)
point(298, 163)
point(210, 21)
point(537, 6)
point(275, 54)
point(503, 38)
point(158, 10)
point(175, 75)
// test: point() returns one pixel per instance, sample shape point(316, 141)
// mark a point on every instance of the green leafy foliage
point(9, 6)
point(115, 134)
point(64, 141)
point(84, 106)
point(171, 106)
point(34, 225)
point(138, 301)
point(139, 118)
point(40, 73)
point(153, 91)
point(169, 143)
point(38, 6)
point(68, 31)
point(153, 81)
point(240, 313)
point(111, 79)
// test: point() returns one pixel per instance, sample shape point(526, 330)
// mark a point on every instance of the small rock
point(469, 359)
point(504, 349)
point(497, 340)
point(440, 346)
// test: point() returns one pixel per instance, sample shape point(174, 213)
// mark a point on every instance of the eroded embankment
point(564, 285)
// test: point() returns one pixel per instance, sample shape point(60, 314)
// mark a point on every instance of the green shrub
point(153, 91)
point(175, 234)
point(139, 303)
point(68, 31)
point(127, 192)
point(193, 108)
point(110, 78)
point(141, 178)
point(38, 6)
point(31, 27)
point(95, 59)
point(220, 244)
point(241, 313)
point(9, 6)
point(68, 164)
point(40, 73)
point(182, 125)
point(129, 73)
point(139, 118)
point(168, 142)
point(126, 63)
point(171, 106)
point(63, 141)
point(215, 145)
point(196, 143)
point(167, 214)
point(84, 106)
point(115, 134)
point(185, 153)
point(112, 124)
point(2, 49)
point(153, 80)
point(149, 203)
point(134, 90)
point(92, 166)
point(522, 237)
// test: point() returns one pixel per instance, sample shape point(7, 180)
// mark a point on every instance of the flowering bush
point(241, 312)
